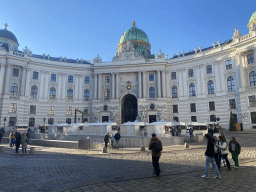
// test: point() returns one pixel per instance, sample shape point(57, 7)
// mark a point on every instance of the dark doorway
point(152, 118)
point(129, 108)
point(104, 119)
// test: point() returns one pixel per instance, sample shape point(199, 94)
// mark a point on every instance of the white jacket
point(223, 148)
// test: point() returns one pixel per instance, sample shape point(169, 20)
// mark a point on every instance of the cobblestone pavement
point(55, 169)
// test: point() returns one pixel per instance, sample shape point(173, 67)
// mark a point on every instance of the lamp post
point(4, 121)
point(44, 121)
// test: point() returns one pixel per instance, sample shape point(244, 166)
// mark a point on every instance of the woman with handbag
point(24, 142)
point(223, 151)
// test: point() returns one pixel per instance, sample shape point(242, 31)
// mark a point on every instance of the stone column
point(168, 88)
point(241, 64)
point(76, 87)
point(144, 85)
point(117, 86)
point(23, 81)
point(100, 85)
point(2, 72)
point(46, 85)
point(217, 69)
point(59, 85)
point(202, 69)
point(95, 86)
point(163, 83)
point(80, 87)
point(185, 85)
point(198, 80)
point(27, 91)
point(113, 85)
point(223, 81)
point(64, 83)
point(158, 84)
point(139, 80)
point(8, 77)
point(181, 84)
point(42, 80)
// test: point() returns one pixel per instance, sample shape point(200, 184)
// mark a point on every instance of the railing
point(248, 36)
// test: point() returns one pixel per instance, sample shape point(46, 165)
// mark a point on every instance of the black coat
point(18, 138)
point(106, 138)
point(117, 136)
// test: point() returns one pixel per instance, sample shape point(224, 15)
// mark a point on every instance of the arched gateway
point(129, 108)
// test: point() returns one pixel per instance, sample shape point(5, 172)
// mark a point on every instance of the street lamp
point(44, 121)
point(4, 121)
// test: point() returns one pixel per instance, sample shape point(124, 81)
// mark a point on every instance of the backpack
point(157, 146)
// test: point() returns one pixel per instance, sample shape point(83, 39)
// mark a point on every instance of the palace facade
point(199, 86)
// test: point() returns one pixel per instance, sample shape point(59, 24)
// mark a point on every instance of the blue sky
point(84, 28)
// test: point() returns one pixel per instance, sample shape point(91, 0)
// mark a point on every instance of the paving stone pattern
point(55, 169)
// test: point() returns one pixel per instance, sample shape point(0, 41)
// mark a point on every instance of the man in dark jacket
point(1, 135)
point(117, 138)
point(17, 143)
point(209, 153)
point(155, 154)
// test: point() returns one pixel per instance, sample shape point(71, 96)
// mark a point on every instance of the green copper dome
point(139, 40)
point(253, 17)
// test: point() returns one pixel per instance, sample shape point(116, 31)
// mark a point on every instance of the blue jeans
point(207, 164)
point(117, 146)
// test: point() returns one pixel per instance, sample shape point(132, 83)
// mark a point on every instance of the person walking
point(24, 142)
point(11, 137)
point(106, 139)
point(209, 153)
point(223, 151)
point(1, 135)
point(28, 135)
point(216, 151)
point(234, 148)
point(155, 145)
point(117, 138)
point(112, 141)
point(17, 142)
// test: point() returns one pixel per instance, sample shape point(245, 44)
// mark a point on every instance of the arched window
point(151, 92)
point(192, 89)
point(106, 94)
point(210, 87)
point(253, 79)
point(86, 94)
point(231, 84)
point(14, 90)
point(52, 93)
point(34, 91)
point(70, 95)
point(174, 91)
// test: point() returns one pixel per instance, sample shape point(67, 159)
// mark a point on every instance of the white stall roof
point(162, 123)
point(61, 124)
point(134, 123)
point(105, 123)
point(197, 124)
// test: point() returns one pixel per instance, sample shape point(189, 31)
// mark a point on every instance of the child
point(112, 141)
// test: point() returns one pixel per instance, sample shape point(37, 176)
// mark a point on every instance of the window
point(192, 89)
point(173, 75)
point(176, 119)
point(14, 90)
point(151, 77)
point(106, 94)
point(68, 120)
point(191, 73)
point(13, 108)
point(213, 118)
point(69, 110)
point(86, 110)
point(15, 72)
point(151, 92)
point(50, 121)
point(53, 77)
point(192, 107)
point(32, 109)
point(31, 122)
point(193, 119)
point(174, 91)
point(106, 79)
point(231, 84)
point(253, 79)
point(35, 75)
point(252, 101)
point(250, 58)
point(235, 117)
point(86, 94)
point(70, 79)
point(51, 110)
point(212, 106)
point(175, 108)
point(87, 80)
point(11, 121)
point(210, 87)
point(209, 69)
point(69, 94)
point(34, 91)
point(228, 64)
point(232, 103)
point(253, 117)
point(52, 93)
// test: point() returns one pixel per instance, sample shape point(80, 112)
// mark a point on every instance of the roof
point(8, 35)
point(133, 34)
point(193, 52)
point(253, 17)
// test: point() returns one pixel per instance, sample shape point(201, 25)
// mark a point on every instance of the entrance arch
point(129, 108)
